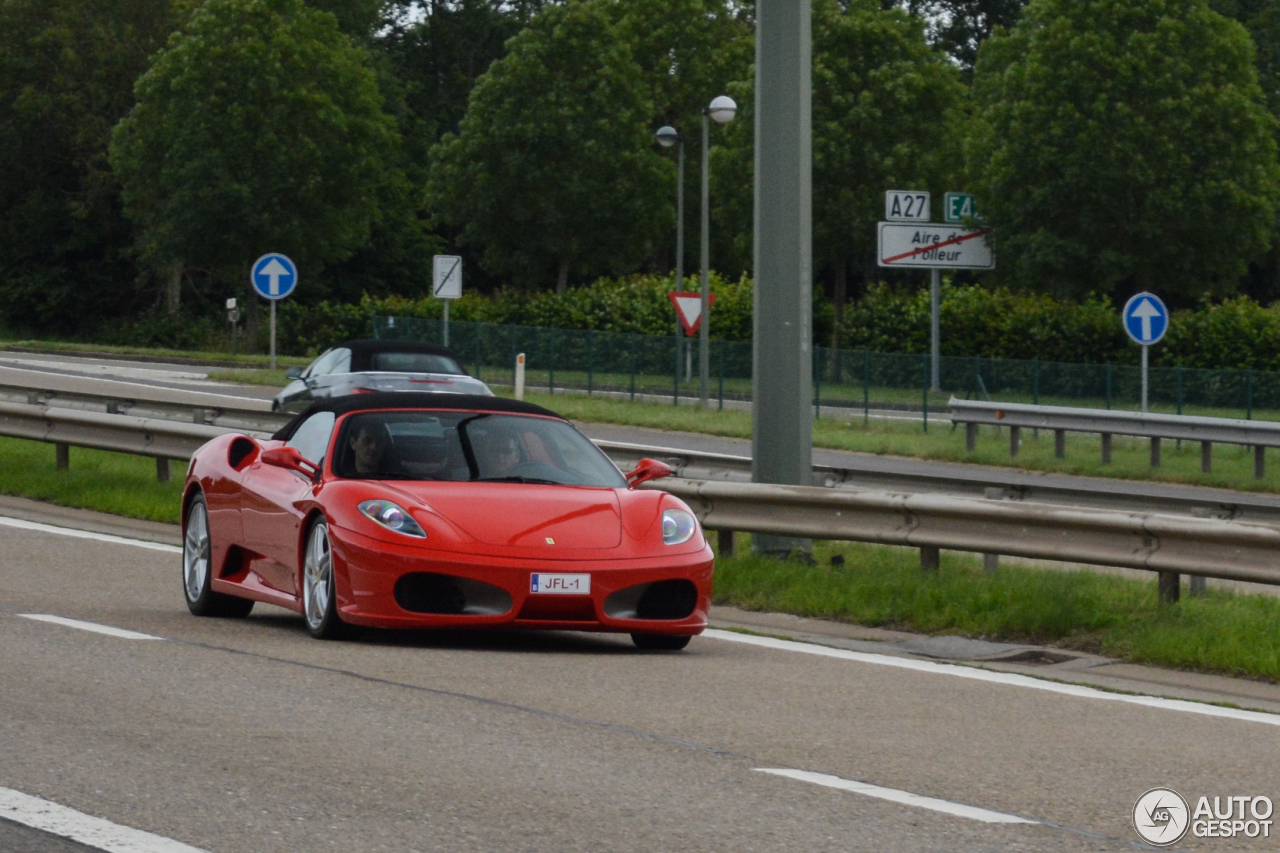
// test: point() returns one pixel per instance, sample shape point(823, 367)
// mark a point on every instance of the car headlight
point(392, 517)
point(678, 526)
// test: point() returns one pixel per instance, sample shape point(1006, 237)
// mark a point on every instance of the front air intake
point(671, 599)
point(446, 595)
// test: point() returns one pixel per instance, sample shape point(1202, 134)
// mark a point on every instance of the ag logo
point(1161, 817)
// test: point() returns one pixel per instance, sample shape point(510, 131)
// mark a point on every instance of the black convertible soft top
point(412, 400)
point(362, 351)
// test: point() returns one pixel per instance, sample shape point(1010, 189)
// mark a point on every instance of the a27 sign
point(906, 206)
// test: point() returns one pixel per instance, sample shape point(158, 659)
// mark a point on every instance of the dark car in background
point(362, 367)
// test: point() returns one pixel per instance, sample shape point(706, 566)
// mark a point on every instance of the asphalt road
point(250, 736)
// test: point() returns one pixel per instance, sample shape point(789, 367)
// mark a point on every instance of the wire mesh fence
point(845, 382)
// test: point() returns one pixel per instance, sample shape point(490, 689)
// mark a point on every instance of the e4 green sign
point(959, 207)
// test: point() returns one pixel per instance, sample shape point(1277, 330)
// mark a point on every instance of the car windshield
point(469, 446)
point(413, 362)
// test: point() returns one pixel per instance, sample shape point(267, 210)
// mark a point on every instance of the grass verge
point(97, 479)
point(1221, 632)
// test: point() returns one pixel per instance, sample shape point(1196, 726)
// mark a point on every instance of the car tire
point(661, 642)
point(197, 568)
point(319, 587)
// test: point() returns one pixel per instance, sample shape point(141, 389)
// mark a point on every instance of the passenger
point(370, 446)
point(498, 453)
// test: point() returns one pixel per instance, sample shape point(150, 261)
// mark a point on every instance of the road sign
point(942, 246)
point(689, 309)
point(1145, 318)
point(957, 207)
point(446, 277)
point(906, 206)
point(274, 276)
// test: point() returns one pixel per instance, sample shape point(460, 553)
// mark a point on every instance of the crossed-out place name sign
point(273, 276)
point(904, 244)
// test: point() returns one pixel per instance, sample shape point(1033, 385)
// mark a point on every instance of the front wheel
point(319, 598)
point(661, 642)
point(197, 569)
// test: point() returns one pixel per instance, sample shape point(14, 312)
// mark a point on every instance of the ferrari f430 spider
point(418, 510)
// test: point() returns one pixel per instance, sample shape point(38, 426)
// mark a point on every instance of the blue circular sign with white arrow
point(1145, 318)
point(274, 276)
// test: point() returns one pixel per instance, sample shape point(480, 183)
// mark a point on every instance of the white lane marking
point(22, 524)
point(86, 829)
point(906, 798)
point(992, 677)
point(89, 626)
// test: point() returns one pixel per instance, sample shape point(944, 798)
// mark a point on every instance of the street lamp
point(722, 109)
point(668, 136)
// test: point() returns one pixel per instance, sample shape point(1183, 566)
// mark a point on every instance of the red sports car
point(409, 510)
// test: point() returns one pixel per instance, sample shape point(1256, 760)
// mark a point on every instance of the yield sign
point(689, 308)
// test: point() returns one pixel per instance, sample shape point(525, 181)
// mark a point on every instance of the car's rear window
point(414, 362)
point(469, 446)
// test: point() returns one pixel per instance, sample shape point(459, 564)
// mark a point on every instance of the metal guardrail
point(1208, 431)
point(114, 397)
point(993, 485)
point(1156, 542)
point(929, 512)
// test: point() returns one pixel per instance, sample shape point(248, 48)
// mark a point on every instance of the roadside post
point(274, 277)
point(1146, 319)
point(519, 381)
point(233, 317)
point(907, 239)
point(446, 284)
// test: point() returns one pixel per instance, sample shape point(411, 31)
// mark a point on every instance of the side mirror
point(293, 373)
point(646, 470)
point(291, 459)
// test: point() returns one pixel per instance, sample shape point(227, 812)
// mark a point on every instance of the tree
point(1123, 145)
point(260, 127)
point(67, 69)
point(884, 110)
point(959, 27)
point(884, 107)
point(553, 167)
point(689, 51)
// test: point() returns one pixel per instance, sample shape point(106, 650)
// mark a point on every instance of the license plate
point(549, 584)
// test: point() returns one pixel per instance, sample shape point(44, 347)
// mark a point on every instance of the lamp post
point(668, 136)
point(722, 109)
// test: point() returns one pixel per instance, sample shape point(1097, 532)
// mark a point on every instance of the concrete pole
point(704, 326)
point(935, 329)
point(782, 350)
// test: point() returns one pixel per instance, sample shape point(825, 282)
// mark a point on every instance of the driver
point(499, 452)
point(369, 444)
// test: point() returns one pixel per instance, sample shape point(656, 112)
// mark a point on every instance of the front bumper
point(367, 572)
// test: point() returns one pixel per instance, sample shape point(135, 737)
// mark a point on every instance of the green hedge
point(998, 323)
point(1235, 334)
